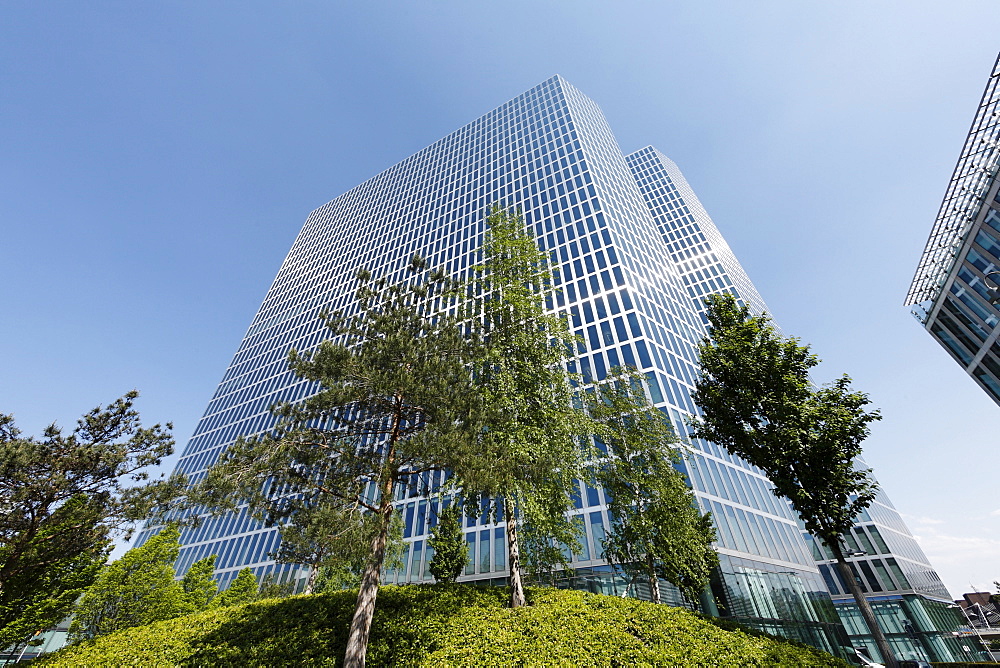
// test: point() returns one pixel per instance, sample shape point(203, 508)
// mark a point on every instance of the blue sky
point(158, 159)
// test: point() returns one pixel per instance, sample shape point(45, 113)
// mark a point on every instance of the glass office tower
point(703, 259)
point(955, 285)
point(634, 251)
point(768, 587)
point(909, 597)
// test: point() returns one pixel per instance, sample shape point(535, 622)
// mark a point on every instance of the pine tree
point(136, 590)
point(758, 402)
point(451, 551)
point(327, 537)
point(199, 585)
point(394, 387)
point(656, 529)
point(344, 567)
point(63, 498)
point(242, 590)
point(62, 567)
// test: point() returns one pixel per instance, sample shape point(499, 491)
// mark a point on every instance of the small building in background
point(981, 616)
point(42, 643)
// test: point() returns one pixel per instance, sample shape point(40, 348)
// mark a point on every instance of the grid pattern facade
point(709, 267)
point(952, 291)
point(750, 591)
point(889, 565)
point(972, 178)
point(700, 253)
point(627, 286)
point(889, 560)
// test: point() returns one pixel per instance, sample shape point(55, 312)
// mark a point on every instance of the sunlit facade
point(635, 253)
point(957, 282)
point(897, 578)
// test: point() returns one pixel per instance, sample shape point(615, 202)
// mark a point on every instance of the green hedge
point(442, 625)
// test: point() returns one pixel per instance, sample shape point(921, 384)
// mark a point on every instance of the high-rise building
point(636, 253)
point(955, 285)
point(912, 603)
point(702, 257)
point(750, 519)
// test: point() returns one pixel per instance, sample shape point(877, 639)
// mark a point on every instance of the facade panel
point(910, 600)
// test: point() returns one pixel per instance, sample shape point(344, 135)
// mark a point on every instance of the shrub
point(442, 625)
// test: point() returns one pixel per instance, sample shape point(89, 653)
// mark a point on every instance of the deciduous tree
point(393, 386)
point(758, 402)
point(136, 590)
point(531, 445)
point(242, 590)
point(657, 530)
point(198, 584)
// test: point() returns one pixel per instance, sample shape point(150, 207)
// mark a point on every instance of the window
point(949, 341)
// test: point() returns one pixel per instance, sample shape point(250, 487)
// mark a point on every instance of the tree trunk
point(866, 611)
point(654, 584)
point(361, 623)
point(513, 557)
point(311, 580)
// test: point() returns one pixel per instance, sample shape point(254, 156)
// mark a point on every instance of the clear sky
point(158, 159)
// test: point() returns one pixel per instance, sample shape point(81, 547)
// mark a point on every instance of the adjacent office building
point(635, 254)
point(955, 285)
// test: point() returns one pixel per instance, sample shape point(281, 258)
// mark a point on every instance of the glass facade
point(887, 558)
point(776, 589)
point(635, 253)
point(952, 295)
point(43, 642)
point(907, 595)
point(698, 250)
point(956, 281)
